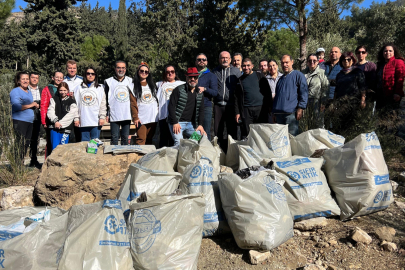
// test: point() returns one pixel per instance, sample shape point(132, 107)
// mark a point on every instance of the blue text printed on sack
point(144, 230)
point(314, 215)
point(112, 204)
point(319, 183)
point(371, 147)
point(113, 243)
point(113, 226)
point(376, 208)
point(382, 179)
point(274, 188)
point(298, 161)
point(303, 173)
point(6, 235)
point(371, 136)
point(1, 258)
point(198, 184)
point(383, 196)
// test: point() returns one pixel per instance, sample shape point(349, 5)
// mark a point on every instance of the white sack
point(359, 176)
point(163, 159)
point(140, 179)
point(270, 140)
point(165, 232)
point(220, 153)
point(232, 155)
point(306, 143)
point(101, 242)
point(306, 188)
point(191, 151)
point(248, 157)
point(256, 209)
point(38, 249)
point(202, 178)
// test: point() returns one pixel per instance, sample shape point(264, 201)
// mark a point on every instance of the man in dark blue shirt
point(291, 96)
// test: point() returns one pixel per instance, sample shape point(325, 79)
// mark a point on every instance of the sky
point(115, 3)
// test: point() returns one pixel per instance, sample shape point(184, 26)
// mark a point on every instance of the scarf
point(346, 70)
point(202, 71)
point(53, 87)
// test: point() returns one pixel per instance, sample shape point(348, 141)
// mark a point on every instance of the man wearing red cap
point(186, 108)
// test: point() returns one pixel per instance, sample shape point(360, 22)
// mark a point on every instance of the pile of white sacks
point(173, 197)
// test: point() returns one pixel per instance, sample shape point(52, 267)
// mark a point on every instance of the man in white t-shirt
point(117, 90)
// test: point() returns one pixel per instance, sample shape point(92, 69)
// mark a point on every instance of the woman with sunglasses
point(318, 92)
point(390, 76)
point(92, 105)
point(165, 89)
point(144, 105)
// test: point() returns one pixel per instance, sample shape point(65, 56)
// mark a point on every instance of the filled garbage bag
point(256, 209)
point(202, 178)
point(220, 153)
point(163, 159)
point(101, 242)
point(191, 151)
point(140, 179)
point(306, 188)
point(78, 214)
point(359, 176)
point(270, 140)
point(248, 157)
point(35, 240)
point(308, 142)
point(232, 156)
point(166, 231)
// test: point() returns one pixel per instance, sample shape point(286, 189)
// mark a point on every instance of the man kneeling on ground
point(186, 108)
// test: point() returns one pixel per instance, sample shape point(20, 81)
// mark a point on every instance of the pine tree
point(5, 10)
point(122, 38)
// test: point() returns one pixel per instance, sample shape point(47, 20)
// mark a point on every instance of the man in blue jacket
point(291, 96)
point(207, 83)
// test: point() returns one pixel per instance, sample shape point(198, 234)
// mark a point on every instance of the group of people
point(234, 94)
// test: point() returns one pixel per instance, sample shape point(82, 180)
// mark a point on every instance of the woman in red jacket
point(390, 76)
point(47, 93)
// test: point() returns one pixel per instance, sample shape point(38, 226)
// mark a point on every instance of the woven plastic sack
point(165, 232)
point(140, 179)
point(256, 209)
point(201, 178)
point(101, 242)
point(232, 156)
point(36, 249)
point(306, 188)
point(191, 151)
point(220, 153)
point(359, 176)
point(248, 157)
point(163, 159)
point(308, 142)
point(270, 140)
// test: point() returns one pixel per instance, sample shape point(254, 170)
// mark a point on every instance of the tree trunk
point(303, 31)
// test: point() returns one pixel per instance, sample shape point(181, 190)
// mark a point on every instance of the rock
point(389, 246)
point(314, 267)
point(297, 233)
point(16, 197)
point(257, 257)
point(333, 242)
point(311, 224)
point(400, 205)
point(361, 236)
point(305, 234)
point(71, 176)
point(394, 185)
point(401, 252)
point(322, 245)
point(331, 267)
point(318, 262)
point(226, 169)
point(385, 233)
point(401, 177)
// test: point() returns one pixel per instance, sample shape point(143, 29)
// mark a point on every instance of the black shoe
point(35, 164)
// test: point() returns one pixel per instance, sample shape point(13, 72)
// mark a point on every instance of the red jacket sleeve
point(399, 77)
point(45, 99)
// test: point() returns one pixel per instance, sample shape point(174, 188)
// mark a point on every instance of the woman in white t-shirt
point(165, 88)
point(144, 105)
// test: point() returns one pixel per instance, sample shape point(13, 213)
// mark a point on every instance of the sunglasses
point(90, 74)
point(193, 77)
point(143, 71)
point(347, 60)
point(202, 59)
point(312, 61)
point(361, 52)
point(170, 72)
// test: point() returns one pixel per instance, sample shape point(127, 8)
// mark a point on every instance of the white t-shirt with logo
point(88, 102)
point(147, 106)
point(118, 99)
point(165, 89)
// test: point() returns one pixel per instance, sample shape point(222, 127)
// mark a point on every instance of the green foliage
point(93, 47)
point(280, 42)
point(330, 40)
point(122, 32)
point(6, 6)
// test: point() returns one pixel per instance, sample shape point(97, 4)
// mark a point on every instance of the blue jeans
point(187, 130)
point(89, 133)
point(207, 121)
point(290, 120)
point(116, 132)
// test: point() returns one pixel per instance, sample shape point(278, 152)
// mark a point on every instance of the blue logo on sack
point(294, 176)
point(378, 197)
point(196, 172)
point(112, 204)
point(112, 225)
point(278, 143)
point(144, 231)
point(382, 179)
point(298, 161)
point(383, 196)
point(371, 136)
point(274, 188)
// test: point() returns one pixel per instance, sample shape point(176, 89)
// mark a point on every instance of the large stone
point(311, 224)
point(388, 246)
point(257, 257)
point(385, 233)
point(71, 176)
point(16, 197)
point(361, 236)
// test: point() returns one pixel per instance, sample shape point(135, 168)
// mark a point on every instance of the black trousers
point(75, 136)
point(23, 136)
point(224, 115)
point(36, 128)
point(165, 137)
point(252, 115)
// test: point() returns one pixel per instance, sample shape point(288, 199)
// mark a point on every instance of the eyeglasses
point(202, 59)
point(361, 52)
point(170, 71)
point(121, 68)
point(347, 60)
point(90, 74)
point(312, 61)
point(193, 77)
point(144, 71)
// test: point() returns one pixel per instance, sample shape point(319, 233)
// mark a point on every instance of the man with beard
point(186, 108)
point(118, 103)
